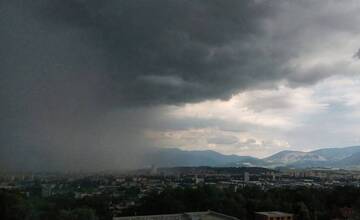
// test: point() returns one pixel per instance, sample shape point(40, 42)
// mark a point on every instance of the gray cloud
point(208, 44)
point(66, 65)
point(223, 139)
point(277, 101)
point(357, 54)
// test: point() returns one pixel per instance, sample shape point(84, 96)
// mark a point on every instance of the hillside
point(175, 157)
point(348, 158)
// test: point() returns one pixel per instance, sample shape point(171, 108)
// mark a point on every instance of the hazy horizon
point(100, 84)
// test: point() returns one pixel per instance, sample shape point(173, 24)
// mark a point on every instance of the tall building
point(246, 177)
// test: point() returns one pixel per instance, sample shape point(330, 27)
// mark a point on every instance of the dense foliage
point(15, 206)
point(305, 203)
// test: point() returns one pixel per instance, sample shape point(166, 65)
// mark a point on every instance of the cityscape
point(180, 110)
point(122, 193)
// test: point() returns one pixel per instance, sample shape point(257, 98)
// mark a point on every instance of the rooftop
point(274, 214)
point(208, 215)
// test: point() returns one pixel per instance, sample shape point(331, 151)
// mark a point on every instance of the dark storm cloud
point(66, 65)
point(187, 50)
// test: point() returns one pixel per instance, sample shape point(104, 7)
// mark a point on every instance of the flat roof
point(207, 215)
point(274, 214)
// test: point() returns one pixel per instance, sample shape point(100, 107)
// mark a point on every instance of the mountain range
point(344, 158)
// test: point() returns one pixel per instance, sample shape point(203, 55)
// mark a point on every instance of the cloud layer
point(98, 80)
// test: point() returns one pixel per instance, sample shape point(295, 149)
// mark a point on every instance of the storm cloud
point(82, 80)
point(165, 52)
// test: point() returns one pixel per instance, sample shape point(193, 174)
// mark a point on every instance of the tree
point(78, 214)
point(303, 211)
point(13, 206)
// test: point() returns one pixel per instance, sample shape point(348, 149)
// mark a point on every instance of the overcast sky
point(96, 84)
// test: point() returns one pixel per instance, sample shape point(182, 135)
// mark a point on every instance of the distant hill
point(174, 157)
point(337, 153)
point(347, 157)
point(289, 157)
point(352, 161)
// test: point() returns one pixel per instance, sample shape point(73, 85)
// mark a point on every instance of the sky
point(98, 84)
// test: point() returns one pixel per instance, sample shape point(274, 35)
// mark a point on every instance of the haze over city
point(96, 85)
